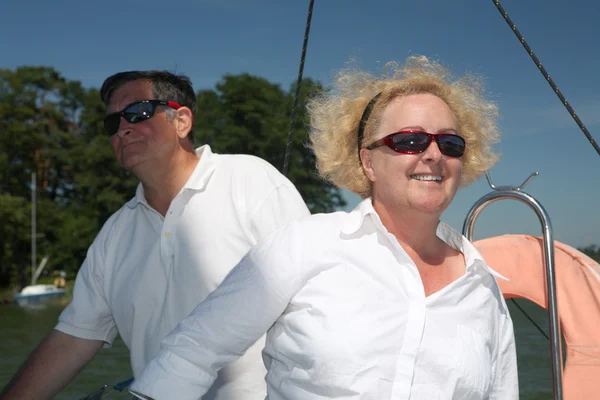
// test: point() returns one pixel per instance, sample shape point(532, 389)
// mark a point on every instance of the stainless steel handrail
point(516, 193)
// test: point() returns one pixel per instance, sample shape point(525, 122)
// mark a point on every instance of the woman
point(384, 302)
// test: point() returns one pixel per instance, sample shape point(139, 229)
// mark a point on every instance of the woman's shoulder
point(306, 237)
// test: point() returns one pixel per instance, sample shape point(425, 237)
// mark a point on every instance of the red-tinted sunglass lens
point(451, 145)
point(410, 143)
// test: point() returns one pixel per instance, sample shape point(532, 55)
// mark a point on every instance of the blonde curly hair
point(335, 116)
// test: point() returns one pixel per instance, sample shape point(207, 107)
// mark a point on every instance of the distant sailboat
point(33, 293)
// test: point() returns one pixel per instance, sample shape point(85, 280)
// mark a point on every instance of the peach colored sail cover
point(520, 259)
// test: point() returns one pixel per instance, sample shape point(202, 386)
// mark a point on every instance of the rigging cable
point(538, 63)
point(563, 100)
point(288, 147)
point(530, 319)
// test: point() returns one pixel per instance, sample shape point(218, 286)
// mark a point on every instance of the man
point(195, 214)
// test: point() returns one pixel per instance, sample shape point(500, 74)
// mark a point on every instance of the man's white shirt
point(144, 273)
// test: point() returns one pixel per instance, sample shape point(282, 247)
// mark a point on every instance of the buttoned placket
point(171, 218)
point(168, 230)
point(415, 325)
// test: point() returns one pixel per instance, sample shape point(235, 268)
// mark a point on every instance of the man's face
point(150, 140)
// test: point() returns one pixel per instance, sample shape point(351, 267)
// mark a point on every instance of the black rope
point(564, 101)
point(288, 147)
point(530, 319)
point(545, 73)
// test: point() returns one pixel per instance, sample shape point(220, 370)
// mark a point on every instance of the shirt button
point(167, 234)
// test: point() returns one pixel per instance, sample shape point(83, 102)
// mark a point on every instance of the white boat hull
point(36, 294)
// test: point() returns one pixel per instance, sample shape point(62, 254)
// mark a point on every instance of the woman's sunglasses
point(415, 142)
point(134, 113)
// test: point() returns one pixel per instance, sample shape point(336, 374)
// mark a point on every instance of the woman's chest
point(346, 325)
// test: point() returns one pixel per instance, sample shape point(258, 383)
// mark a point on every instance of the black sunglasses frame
point(438, 138)
point(113, 120)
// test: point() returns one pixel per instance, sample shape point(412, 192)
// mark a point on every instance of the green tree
point(591, 251)
point(250, 115)
point(53, 126)
point(31, 126)
point(14, 228)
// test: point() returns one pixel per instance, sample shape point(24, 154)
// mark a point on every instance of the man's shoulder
point(249, 173)
point(245, 163)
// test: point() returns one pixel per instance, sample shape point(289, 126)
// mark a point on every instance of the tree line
point(593, 251)
point(53, 126)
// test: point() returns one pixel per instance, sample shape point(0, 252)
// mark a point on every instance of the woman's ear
point(183, 122)
point(367, 163)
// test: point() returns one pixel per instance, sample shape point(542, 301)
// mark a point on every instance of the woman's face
point(425, 182)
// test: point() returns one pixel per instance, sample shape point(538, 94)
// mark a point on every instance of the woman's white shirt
point(347, 318)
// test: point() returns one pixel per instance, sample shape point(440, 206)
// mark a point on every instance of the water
point(22, 329)
point(533, 352)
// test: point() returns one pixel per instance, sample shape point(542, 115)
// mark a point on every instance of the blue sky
point(205, 39)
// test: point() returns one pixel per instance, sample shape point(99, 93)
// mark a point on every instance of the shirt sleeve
point(234, 316)
point(89, 316)
point(506, 382)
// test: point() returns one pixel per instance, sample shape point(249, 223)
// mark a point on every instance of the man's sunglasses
point(134, 113)
point(415, 142)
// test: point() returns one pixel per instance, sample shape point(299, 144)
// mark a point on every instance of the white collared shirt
point(347, 318)
point(144, 273)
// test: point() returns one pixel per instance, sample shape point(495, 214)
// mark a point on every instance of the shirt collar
point(356, 218)
point(197, 181)
point(459, 242)
point(204, 169)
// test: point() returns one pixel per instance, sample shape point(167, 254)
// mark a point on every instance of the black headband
point(364, 119)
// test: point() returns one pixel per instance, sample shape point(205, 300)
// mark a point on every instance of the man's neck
point(166, 181)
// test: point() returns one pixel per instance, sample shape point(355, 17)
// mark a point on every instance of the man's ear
point(367, 163)
point(183, 122)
